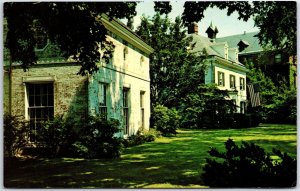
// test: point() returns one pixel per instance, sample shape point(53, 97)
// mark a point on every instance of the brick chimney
point(193, 28)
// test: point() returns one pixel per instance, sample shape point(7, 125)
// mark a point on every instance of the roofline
point(116, 27)
point(250, 52)
point(231, 64)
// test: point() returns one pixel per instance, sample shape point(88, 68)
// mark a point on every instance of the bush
point(97, 139)
point(14, 135)
point(57, 135)
point(248, 166)
point(245, 120)
point(165, 120)
point(141, 137)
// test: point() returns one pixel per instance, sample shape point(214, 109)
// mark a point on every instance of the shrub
point(141, 137)
point(97, 139)
point(248, 166)
point(14, 135)
point(57, 135)
point(165, 120)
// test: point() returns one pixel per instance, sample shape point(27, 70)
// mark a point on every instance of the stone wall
point(70, 89)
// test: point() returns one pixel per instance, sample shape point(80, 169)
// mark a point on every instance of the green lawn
point(173, 162)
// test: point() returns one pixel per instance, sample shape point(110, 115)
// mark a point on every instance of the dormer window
point(242, 45)
point(226, 53)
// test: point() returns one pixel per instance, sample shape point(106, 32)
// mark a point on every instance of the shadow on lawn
point(172, 162)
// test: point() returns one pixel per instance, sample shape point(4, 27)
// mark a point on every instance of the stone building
point(119, 90)
point(223, 66)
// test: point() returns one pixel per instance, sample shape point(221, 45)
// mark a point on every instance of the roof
point(200, 43)
point(249, 38)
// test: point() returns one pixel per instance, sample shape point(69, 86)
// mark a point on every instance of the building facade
point(276, 64)
point(222, 65)
point(119, 90)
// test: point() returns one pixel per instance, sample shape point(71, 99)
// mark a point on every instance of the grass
point(172, 162)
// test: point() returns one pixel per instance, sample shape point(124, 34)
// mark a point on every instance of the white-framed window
point(221, 79)
point(142, 95)
point(232, 81)
point(102, 99)
point(40, 107)
point(126, 110)
point(242, 107)
point(242, 84)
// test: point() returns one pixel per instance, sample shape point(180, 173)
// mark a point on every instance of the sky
point(227, 25)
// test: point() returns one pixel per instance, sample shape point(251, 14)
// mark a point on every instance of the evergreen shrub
point(14, 135)
point(165, 120)
point(248, 166)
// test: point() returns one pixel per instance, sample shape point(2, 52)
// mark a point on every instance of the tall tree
point(170, 60)
point(74, 26)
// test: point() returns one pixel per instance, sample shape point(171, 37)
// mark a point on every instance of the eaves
point(119, 29)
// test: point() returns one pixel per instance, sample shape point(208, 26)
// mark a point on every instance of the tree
point(278, 102)
point(173, 70)
point(277, 20)
point(74, 26)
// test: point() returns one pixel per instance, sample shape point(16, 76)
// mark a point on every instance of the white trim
point(39, 79)
point(115, 27)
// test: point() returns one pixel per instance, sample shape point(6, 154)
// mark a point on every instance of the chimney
point(193, 28)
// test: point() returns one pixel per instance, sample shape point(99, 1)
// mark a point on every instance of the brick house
point(120, 89)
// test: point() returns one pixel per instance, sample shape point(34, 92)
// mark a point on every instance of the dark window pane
point(37, 100)
point(37, 89)
point(31, 89)
point(31, 100)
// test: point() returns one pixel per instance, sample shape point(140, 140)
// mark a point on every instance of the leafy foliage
point(170, 61)
point(281, 16)
point(14, 135)
point(57, 134)
point(248, 166)
point(206, 107)
point(141, 137)
point(278, 102)
point(97, 139)
point(74, 26)
point(165, 120)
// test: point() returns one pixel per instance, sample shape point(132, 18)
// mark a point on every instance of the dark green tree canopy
point(74, 27)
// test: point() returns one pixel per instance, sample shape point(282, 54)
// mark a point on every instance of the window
point(141, 61)
point(125, 110)
point(221, 81)
point(40, 107)
point(243, 107)
point(142, 109)
point(102, 100)
point(232, 81)
point(277, 58)
point(242, 84)
point(125, 52)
